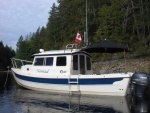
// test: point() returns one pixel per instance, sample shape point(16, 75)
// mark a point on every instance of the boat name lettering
point(42, 71)
point(61, 71)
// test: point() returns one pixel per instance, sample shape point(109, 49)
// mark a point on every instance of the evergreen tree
point(5, 54)
point(125, 22)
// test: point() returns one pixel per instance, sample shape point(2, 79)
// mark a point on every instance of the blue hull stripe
point(88, 81)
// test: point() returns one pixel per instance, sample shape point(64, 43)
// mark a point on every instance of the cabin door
point(75, 66)
point(79, 64)
point(82, 64)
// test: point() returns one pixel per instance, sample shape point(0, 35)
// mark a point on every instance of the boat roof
point(59, 52)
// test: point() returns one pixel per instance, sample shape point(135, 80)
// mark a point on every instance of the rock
point(131, 65)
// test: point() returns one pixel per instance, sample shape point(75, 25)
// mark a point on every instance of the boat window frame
point(35, 61)
point(60, 63)
point(52, 62)
point(44, 61)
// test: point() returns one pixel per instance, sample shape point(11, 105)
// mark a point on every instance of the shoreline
point(122, 65)
point(5, 71)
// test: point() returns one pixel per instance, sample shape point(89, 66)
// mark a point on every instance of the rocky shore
point(122, 65)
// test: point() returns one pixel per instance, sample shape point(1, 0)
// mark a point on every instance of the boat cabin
point(63, 62)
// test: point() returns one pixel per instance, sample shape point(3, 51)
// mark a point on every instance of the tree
point(5, 54)
point(125, 22)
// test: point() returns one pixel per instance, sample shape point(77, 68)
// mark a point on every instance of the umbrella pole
point(125, 59)
point(106, 62)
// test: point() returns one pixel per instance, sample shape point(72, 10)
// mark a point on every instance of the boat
point(68, 71)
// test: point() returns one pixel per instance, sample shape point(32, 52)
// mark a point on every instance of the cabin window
point(88, 62)
point(82, 64)
point(75, 62)
point(39, 61)
point(49, 61)
point(61, 61)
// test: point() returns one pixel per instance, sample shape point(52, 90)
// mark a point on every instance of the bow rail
point(23, 62)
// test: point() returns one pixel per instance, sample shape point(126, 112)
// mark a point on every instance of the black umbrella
point(105, 47)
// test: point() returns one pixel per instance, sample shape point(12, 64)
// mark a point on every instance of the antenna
point(86, 33)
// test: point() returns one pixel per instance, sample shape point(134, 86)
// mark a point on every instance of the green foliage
point(125, 22)
point(5, 54)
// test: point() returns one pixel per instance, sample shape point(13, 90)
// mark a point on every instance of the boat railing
point(71, 46)
point(19, 62)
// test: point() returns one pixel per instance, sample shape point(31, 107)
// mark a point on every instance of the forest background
point(125, 22)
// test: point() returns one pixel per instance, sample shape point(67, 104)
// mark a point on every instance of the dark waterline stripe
point(89, 81)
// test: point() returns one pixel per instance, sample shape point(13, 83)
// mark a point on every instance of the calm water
point(14, 99)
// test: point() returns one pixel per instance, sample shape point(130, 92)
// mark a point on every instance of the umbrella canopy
point(105, 47)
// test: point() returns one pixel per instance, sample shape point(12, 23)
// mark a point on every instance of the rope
point(6, 77)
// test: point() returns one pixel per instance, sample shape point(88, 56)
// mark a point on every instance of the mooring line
point(6, 77)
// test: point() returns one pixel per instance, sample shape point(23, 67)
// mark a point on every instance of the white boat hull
point(107, 84)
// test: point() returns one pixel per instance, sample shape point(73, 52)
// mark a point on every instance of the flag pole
point(86, 39)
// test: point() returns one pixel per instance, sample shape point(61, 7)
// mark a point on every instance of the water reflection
point(33, 101)
point(140, 105)
point(6, 81)
point(2, 80)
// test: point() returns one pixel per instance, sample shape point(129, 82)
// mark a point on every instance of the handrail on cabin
point(71, 46)
point(13, 60)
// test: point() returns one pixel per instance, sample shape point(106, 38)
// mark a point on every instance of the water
point(15, 99)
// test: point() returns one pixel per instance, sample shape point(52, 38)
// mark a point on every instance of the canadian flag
point(78, 38)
